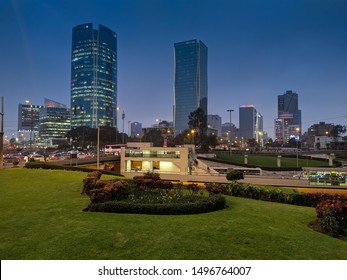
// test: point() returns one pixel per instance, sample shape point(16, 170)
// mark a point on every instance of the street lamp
point(297, 146)
point(193, 131)
point(123, 117)
point(230, 110)
point(117, 129)
point(98, 149)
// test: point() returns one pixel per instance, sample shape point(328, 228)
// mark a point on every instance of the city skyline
point(257, 51)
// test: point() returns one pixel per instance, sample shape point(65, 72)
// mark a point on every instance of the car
point(38, 157)
point(298, 176)
point(11, 159)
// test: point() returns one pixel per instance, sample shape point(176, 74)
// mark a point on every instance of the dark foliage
point(204, 205)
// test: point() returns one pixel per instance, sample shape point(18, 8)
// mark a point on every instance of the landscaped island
point(148, 195)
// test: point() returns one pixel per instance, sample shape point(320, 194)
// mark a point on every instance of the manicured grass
point(41, 217)
point(271, 161)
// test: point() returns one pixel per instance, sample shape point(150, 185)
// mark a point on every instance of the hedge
point(204, 205)
point(44, 165)
point(278, 195)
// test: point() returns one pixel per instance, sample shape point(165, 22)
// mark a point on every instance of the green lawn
point(41, 217)
point(271, 161)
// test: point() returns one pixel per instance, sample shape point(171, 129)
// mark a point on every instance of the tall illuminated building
point(251, 123)
point(93, 76)
point(54, 122)
point(28, 121)
point(288, 104)
point(190, 81)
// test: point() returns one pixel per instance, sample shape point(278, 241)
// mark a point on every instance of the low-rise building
point(143, 157)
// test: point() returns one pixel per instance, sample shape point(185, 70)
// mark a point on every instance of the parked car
point(38, 157)
point(11, 159)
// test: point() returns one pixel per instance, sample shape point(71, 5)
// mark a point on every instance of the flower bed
point(148, 195)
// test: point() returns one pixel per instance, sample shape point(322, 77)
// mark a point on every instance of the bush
point(193, 188)
point(332, 216)
point(217, 188)
point(107, 190)
point(90, 182)
point(151, 175)
point(278, 195)
point(149, 184)
point(45, 165)
point(203, 205)
point(235, 175)
point(313, 199)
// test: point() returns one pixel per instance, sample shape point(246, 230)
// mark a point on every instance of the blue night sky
point(258, 49)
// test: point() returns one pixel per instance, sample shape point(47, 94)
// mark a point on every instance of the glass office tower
point(93, 76)
point(288, 103)
point(190, 81)
point(251, 123)
point(54, 121)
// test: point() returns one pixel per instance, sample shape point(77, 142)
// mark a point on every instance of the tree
point(153, 136)
point(234, 176)
point(337, 130)
point(198, 122)
point(252, 143)
point(182, 138)
point(83, 136)
point(208, 141)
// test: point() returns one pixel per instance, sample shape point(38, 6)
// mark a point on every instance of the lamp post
point(193, 131)
point(98, 150)
point(230, 110)
point(117, 130)
point(123, 117)
point(297, 147)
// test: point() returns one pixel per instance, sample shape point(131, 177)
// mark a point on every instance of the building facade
point(54, 122)
point(28, 122)
point(93, 76)
point(214, 122)
point(251, 123)
point(138, 158)
point(190, 81)
point(288, 104)
point(28, 117)
point(319, 129)
point(136, 130)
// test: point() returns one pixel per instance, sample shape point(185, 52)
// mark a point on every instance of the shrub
point(313, 199)
point(203, 205)
point(107, 190)
point(90, 182)
point(151, 175)
point(45, 165)
point(278, 195)
point(235, 175)
point(148, 184)
point(193, 188)
point(217, 188)
point(332, 216)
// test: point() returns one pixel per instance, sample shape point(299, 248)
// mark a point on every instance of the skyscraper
point(288, 103)
point(251, 123)
point(54, 122)
point(190, 81)
point(93, 76)
point(28, 117)
point(215, 121)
